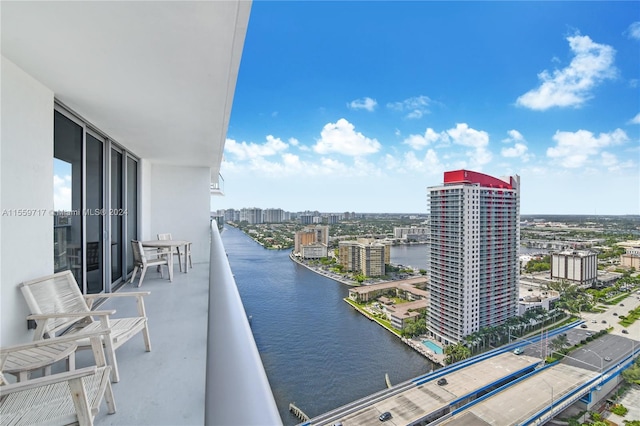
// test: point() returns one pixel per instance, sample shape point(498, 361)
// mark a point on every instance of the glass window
point(94, 216)
point(116, 219)
point(67, 196)
point(132, 209)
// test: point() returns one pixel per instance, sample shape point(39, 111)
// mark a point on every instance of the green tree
point(560, 342)
point(632, 374)
point(457, 352)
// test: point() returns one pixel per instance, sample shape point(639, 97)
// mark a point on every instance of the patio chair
point(59, 308)
point(63, 398)
point(143, 260)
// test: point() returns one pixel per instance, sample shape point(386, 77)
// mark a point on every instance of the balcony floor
point(167, 385)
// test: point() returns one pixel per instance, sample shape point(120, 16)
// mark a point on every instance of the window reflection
point(67, 183)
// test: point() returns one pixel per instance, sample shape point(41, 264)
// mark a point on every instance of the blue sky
point(361, 106)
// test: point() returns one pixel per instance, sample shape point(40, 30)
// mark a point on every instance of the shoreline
point(413, 343)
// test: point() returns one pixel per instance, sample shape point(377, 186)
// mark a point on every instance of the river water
point(317, 351)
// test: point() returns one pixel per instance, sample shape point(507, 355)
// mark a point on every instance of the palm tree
point(560, 342)
point(457, 352)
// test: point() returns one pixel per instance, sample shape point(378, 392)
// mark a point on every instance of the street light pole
point(601, 363)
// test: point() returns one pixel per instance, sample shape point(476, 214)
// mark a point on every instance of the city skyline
point(361, 106)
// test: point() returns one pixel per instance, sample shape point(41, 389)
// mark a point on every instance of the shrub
point(619, 409)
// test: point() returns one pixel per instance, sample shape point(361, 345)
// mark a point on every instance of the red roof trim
point(467, 176)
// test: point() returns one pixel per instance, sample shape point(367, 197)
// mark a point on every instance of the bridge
point(496, 387)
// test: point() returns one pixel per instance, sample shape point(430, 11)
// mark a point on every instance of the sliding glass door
point(94, 217)
point(95, 187)
point(116, 219)
point(67, 197)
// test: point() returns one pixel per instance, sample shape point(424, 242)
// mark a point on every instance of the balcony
point(204, 367)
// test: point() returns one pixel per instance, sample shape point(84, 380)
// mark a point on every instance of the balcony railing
point(237, 389)
point(217, 187)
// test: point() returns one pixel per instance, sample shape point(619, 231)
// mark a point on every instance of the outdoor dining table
point(171, 245)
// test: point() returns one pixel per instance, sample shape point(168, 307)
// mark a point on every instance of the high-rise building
point(473, 253)
point(273, 215)
point(251, 215)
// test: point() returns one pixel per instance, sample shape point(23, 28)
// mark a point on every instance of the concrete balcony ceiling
point(156, 76)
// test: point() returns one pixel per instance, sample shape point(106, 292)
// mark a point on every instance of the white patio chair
point(64, 398)
point(59, 308)
point(143, 260)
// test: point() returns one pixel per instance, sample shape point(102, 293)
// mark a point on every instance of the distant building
point(631, 258)
point(273, 215)
point(411, 233)
point(333, 219)
point(398, 314)
point(252, 215)
point(365, 256)
point(306, 219)
point(536, 298)
point(473, 253)
point(577, 266)
point(312, 242)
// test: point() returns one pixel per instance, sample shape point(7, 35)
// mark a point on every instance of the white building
point(417, 233)
point(473, 253)
point(273, 215)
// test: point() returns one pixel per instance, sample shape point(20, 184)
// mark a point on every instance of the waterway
point(317, 351)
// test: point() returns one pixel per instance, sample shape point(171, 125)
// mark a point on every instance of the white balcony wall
point(26, 182)
point(179, 203)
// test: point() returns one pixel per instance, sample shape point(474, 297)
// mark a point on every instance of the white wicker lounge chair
point(72, 397)
point(59, 308)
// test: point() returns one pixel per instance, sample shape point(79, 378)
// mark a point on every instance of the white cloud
point(462, 134)
point(363, 103)
point(574, 149)
point(418, 142)
point(519, 148)
point(636, 119)
point(340, 137)
point(244, 150)
point(62, 192)
point(608, 159)
point(634, 30)
point(572, 86)
point(415, 107)
point(514, 136)
point(429, 164)
point(293, 142)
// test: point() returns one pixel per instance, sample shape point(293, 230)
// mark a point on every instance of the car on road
point(588, 334)
point(624, 331)
point(384, 416)
point(584, 326)
point(615, 314)
point(622, 304)
point(594, 321)
point(607, 358)
point(442, 381)
point(518, 351)
point(604, 321)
